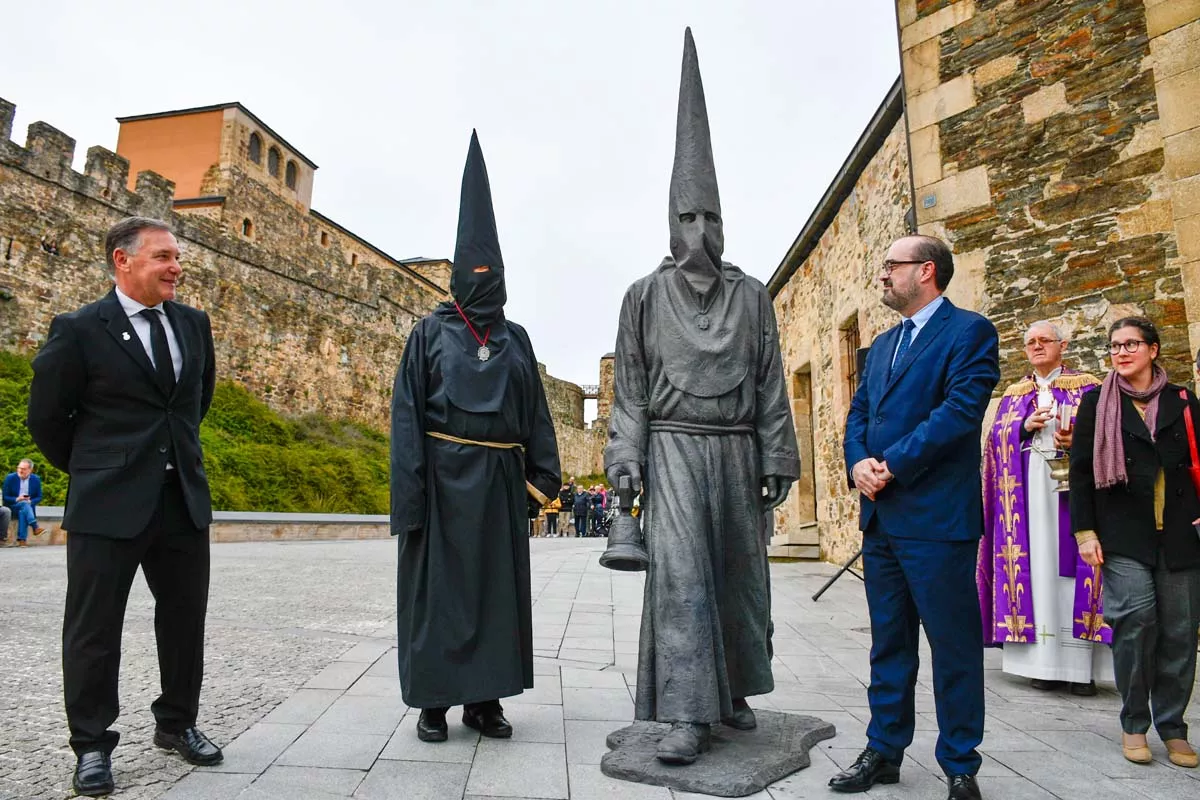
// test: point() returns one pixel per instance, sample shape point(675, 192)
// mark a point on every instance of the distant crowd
point(576, 511)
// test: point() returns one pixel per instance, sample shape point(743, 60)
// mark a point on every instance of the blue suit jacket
point(925, 419)
point(12, 489)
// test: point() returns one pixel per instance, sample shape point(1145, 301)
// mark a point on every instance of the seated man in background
point(22, 493)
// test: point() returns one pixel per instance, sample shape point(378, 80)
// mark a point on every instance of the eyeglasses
point(887, 267)
point(1042, 341)
point(1129, 347)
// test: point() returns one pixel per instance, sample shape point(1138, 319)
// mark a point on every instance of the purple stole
point(1002, 571)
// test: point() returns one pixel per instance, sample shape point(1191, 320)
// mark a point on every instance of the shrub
point(256, 459)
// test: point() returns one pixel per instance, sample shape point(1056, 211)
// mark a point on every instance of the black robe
point(464, 615)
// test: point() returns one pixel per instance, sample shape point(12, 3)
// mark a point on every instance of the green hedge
point(256, 460)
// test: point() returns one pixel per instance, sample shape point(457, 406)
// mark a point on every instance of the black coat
point(1123, 515)
point(97, 413)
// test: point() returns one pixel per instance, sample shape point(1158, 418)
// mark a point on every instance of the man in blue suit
point(22, 492)
point(913, 451)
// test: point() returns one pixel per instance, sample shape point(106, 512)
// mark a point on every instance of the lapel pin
point(125, 335)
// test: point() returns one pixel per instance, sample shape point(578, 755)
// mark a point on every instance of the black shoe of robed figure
point(867, 770)
point(1044, 686)
point(684, 743)
point(963, 787)
point(93, 774)
point(194, 746)
point(1084, 689)
point(743, 718)
point(431, 725)
point(488, 719)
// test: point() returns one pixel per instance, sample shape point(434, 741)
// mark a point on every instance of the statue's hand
point(775, 490)
point(630, 468)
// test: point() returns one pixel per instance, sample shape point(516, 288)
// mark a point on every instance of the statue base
point(740, 763)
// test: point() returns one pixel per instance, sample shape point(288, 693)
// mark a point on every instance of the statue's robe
point(464, 613)
point(700, 402)
point(1038, 598)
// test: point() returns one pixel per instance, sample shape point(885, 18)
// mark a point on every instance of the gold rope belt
point(534, 492)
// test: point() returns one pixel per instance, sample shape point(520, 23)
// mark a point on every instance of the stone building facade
point(306, 314)
point(1056, 146)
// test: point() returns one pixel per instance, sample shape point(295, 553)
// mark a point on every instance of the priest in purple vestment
point(1039, 600)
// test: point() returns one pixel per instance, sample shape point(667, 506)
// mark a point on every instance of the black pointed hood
point(480, 295)
point(696, 244)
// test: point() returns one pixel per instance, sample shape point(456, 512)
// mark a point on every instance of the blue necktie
point(905, 340)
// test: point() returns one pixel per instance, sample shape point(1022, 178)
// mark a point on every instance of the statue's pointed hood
point(481, 295)
point(697, 237)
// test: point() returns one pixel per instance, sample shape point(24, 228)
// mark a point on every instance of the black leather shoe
point(743, 718)
point(93, 774)
point(1044, 686)
point(867, 770)
point(431, 725)
point(964, 787)
point(488, 719)
point(193, 745)
point(1084, 689)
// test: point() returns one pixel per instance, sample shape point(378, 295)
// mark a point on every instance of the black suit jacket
point(97, 413)
point(1123, 516)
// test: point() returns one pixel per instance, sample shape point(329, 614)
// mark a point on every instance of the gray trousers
point(1154, 614)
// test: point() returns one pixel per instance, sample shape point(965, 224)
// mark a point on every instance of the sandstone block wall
point(1040, 138)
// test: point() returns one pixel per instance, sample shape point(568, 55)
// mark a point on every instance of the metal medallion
point(483, 353)
point(702, 321)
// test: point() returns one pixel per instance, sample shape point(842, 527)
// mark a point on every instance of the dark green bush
point(256, 460)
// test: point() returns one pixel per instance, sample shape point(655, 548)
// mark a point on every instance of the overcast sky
point(574, 103)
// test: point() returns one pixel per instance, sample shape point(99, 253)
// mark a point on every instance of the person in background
point(22, 492)
point(597, 510)
point(1135, 513)
point(550, 515)
point(579, 508)
point(566, 499)
point(1051, 623)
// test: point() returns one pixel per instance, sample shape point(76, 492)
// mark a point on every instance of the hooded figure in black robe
point(472, 444)
point(701, 410)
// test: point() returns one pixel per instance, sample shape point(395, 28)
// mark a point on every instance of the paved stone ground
point(302, 689)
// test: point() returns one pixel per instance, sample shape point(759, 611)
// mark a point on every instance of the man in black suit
point(119, 389)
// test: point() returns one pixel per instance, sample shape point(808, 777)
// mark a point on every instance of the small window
point(255, 148)
point(273, 162)
point(290, 175)
point(353, 259)
point(324, 239)
point(850, 345)
point(247, 228)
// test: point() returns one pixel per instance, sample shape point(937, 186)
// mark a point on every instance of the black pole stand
point(845, 568)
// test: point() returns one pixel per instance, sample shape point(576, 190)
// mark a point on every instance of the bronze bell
point(626, 548)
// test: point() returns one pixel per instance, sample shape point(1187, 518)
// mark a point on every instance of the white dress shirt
point(24, 491)
point(141, 326)
point(919, 321)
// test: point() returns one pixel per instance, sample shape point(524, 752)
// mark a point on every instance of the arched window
point(247, 227)
point(290, 175)
point(255, 148)
point(273, 162)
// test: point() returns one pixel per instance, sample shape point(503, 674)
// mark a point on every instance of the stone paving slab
point(280, 620)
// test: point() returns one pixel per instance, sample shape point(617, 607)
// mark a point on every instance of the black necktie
point(164, 369)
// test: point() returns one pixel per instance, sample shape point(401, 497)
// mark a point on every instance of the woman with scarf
point(1134, 511)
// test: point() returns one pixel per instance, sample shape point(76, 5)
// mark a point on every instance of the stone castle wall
point(308, 322)
point(1054, 145)
point(836, 288)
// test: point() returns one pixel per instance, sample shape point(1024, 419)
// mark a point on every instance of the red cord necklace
point(483, 353)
